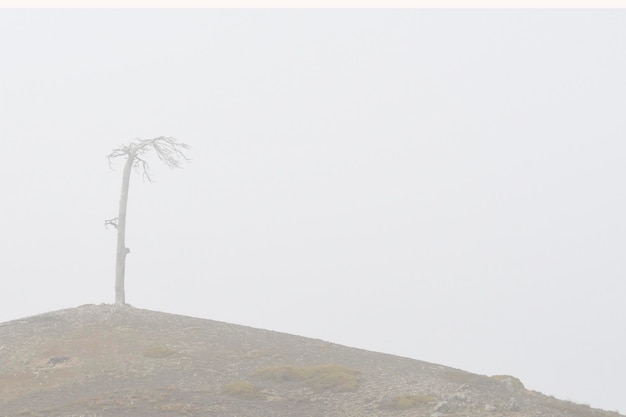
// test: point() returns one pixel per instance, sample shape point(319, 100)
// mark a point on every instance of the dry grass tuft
point(179, 408)
point(404, 402)
point(241, 389)
point(509, 380)
point(460, 377)
point(158, 352)
point(319, 378)
point(569, 407)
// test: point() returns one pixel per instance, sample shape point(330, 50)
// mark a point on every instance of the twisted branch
point(167, 149)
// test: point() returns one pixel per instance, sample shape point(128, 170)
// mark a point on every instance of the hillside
point(111, 361)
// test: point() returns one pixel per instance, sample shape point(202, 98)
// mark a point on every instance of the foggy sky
point(442, 185)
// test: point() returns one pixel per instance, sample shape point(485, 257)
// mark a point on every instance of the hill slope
point(111, 361)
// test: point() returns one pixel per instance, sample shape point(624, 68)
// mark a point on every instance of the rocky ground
point(111, 361)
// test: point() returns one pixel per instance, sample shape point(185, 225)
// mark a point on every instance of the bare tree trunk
point(171, 154)
point(122, 250)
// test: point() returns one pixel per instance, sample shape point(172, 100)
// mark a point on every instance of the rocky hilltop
point(111, 361)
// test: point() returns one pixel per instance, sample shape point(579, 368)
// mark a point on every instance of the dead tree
point(170, 152)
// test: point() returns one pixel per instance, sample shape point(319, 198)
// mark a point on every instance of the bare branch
point(167, 149)
point(140, 163)
point(111, 222)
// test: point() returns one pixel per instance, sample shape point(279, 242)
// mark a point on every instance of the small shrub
point(241, 389)
point(319, 378)
point(157, 352)
point(55, 360)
